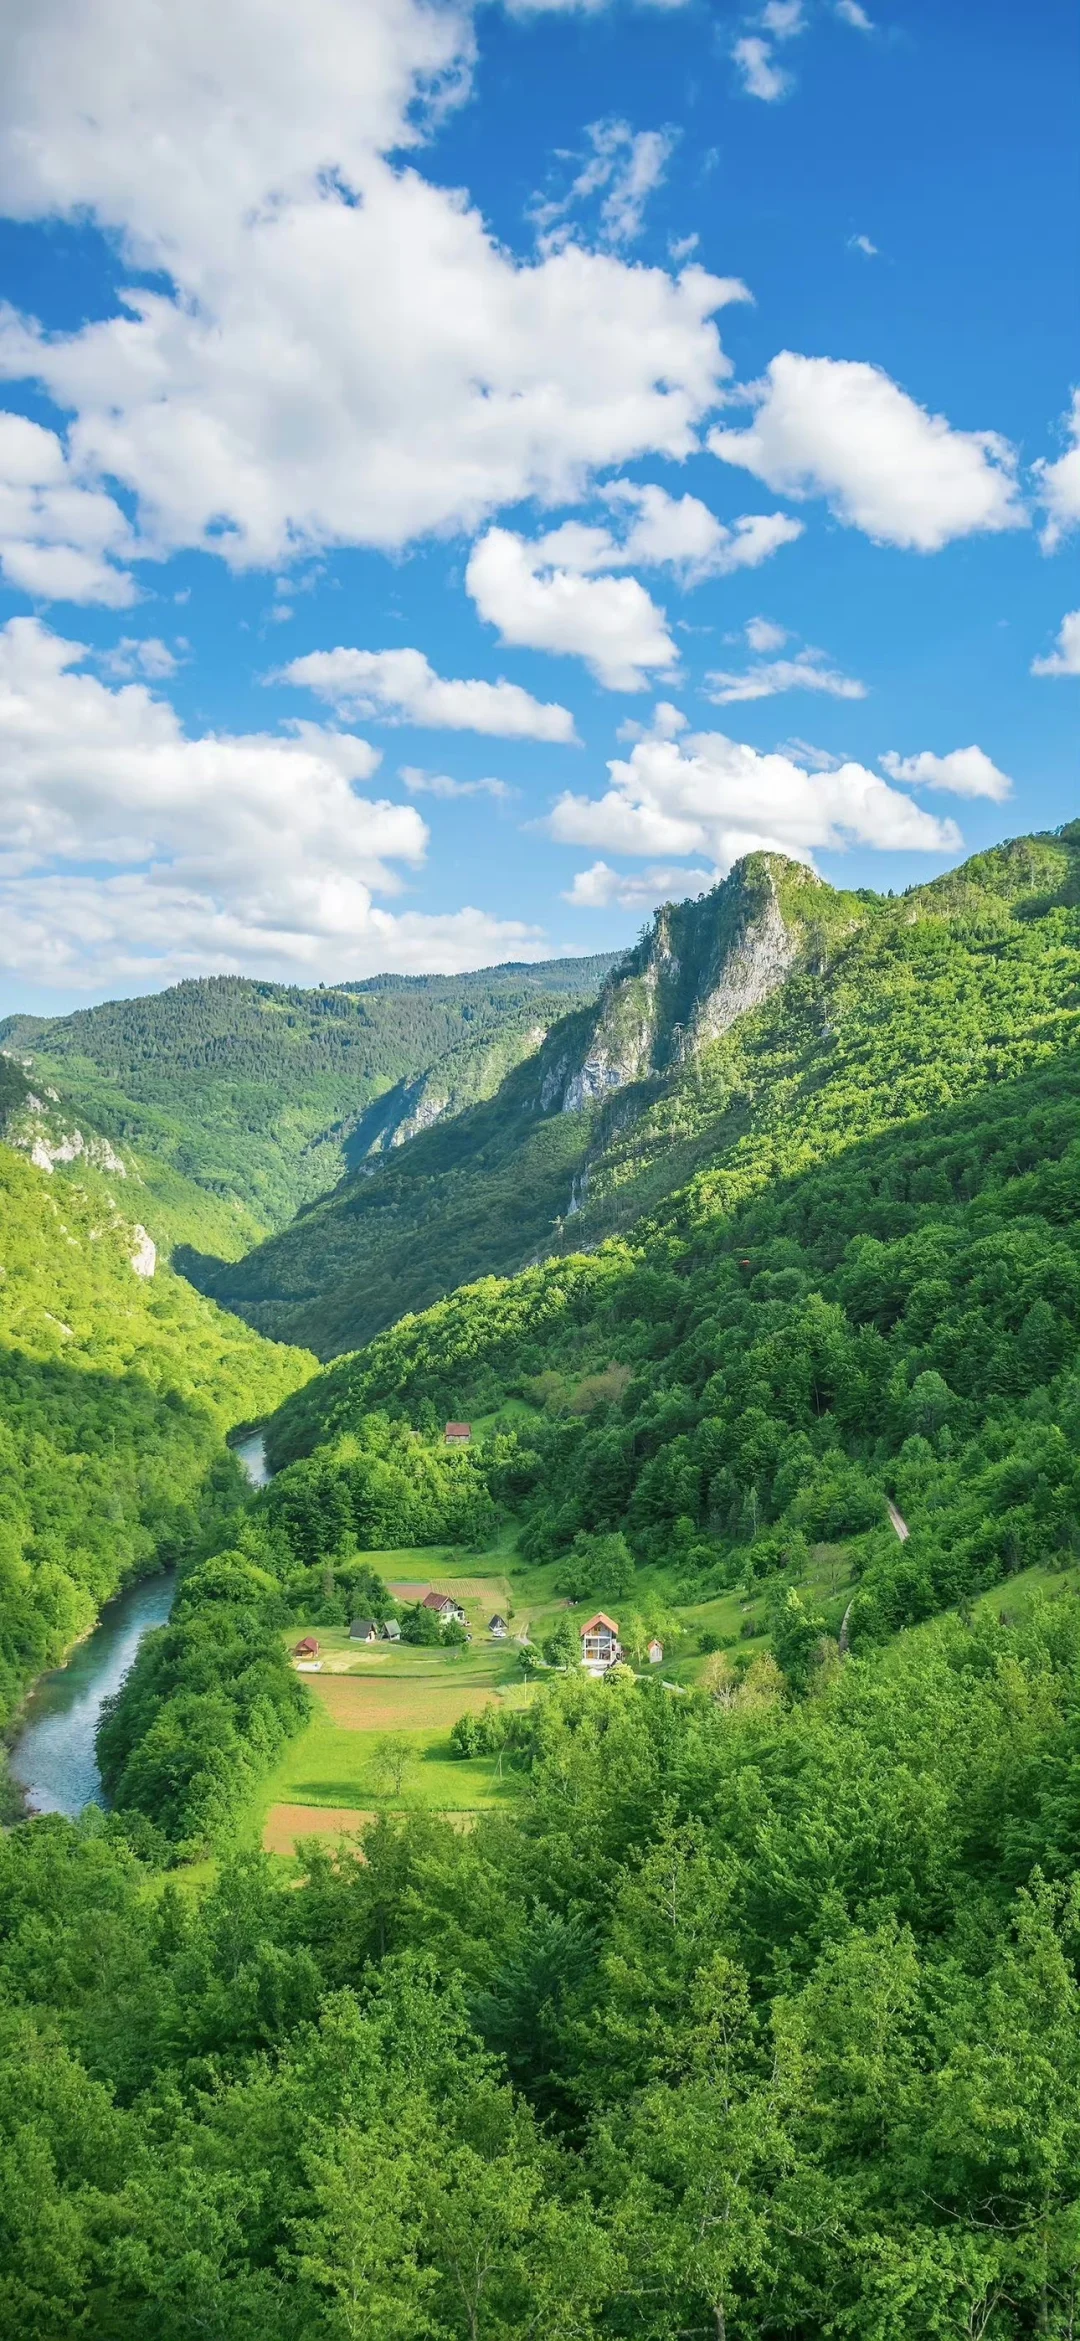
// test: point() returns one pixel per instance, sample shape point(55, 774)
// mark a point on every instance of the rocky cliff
point(699, 965)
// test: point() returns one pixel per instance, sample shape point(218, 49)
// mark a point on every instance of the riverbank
point(52, 1758)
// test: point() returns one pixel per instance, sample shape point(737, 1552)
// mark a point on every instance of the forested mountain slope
point(874, 1295)
point(829, 1946)
point(759, 1029)
point(117, 1386)
point(257, 1095)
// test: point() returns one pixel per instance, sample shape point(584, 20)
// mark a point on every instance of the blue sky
point(466, 475)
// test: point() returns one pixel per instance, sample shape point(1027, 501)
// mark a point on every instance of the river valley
point(54, 1759)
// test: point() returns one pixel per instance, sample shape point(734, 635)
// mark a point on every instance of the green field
point(366, 1694)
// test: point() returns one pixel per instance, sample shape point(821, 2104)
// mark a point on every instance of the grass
point(329, 1780)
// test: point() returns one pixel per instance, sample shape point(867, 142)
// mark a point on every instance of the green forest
point(259, 1095)
point(884, 1011)
point(753, 2009)
point(116, 1391)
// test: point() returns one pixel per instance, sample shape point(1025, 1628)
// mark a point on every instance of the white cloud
point(673, 532)
point(131, 852)
point(610, 622)
point(783, 18)
point(805, 672)
point(59, 538)
point(1065, 658)
point(841, 429)
point(401, 687)
point(130, 658)
point(850, 13)
point(1059, 485)
point(715, 796)
point(815, 759)
point(625, 166)
point(578, 7)
point(864, 245)
point(761, 78)
point(342, 353)
point(600, 887)
point(967, 772)
point(762, 634)
point(439, 784)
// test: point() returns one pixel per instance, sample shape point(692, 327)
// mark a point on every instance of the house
point(390, 1630)
point(599, 1643)
point(457, 1434)
point(655, 1651)
point(306, 1648)
point(363, 1630)
point(446, 1607)
point(497, 1628)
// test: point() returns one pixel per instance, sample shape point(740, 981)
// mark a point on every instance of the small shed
point(599, 1642)
point(363, 1630)
point(457, 1434)
point(655, 1651)
point(390, 1630)
point(307, 1647)
point(497, 1628)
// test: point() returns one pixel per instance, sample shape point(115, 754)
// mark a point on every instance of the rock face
point(39, 1126)
point(144, 1256)
point(698, 966)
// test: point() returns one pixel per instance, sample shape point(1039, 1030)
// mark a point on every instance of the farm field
point(334, 1776)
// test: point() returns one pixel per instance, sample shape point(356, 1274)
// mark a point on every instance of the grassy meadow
point(335, 1775)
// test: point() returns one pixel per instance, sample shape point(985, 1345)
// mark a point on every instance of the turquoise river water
point(53, 1758)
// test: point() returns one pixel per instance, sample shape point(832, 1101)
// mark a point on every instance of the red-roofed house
point(599, 1643)
point(457, 1434)
point(446, 1607)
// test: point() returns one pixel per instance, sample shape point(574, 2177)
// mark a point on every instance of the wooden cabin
point(457, 1434)
point(498, 1628)
point(364, 1630)
point(307, 1647)
point(655, 1651)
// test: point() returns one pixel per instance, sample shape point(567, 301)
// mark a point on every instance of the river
point(54, 1758)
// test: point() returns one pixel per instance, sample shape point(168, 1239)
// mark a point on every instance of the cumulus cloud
point(784, 18)
point(340, 352)
point(841, 429)
point(625, 166)
point(715, 796)
point(1064, 659)
point(253, 852)
point(60, 539)
point(667, 532)
point(610, 622)
point(807, 671)
point(967, 772)
point(601, 887)
point(401, 687)
point(440, 784)
point(762, 634)
point(864, 245)
point(130, 658)
point(761, 76)
point(1059, 485)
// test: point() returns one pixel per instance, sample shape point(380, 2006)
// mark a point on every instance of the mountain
point(118, 1384)
point(858, 1328)
point(767, 1023)
point(234, 1102)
